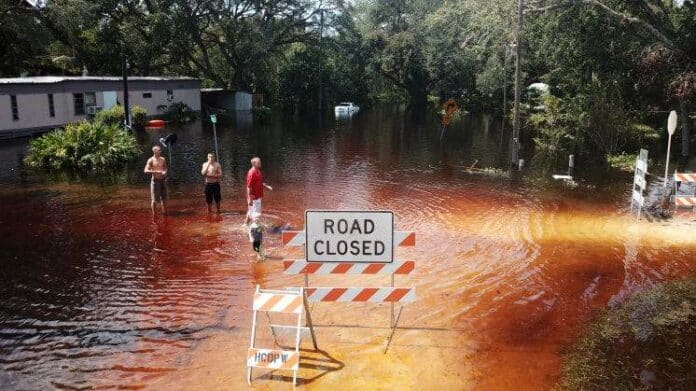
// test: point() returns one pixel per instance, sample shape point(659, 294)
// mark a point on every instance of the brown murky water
point(508, 270)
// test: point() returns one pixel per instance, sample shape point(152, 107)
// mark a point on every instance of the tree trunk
point(685, 130)
point(418, 95)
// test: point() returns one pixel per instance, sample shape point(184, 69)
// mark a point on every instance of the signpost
point(671, 127)
point(213, 120)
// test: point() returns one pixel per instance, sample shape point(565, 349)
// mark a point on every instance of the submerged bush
point(592, 124)
point(87, 145)
point(262, 114)
point(116, 116)
point(179, 112)
point(646, 343)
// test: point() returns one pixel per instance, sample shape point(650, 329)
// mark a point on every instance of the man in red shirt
point(255, 185)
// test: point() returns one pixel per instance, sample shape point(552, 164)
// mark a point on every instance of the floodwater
point(508, 268)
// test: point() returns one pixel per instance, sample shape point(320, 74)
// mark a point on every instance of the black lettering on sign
point(379, 247)
point(316, 247)
point(342, 247)
point(342, 226)
point(369, 226)
point(355, 227)
point(328, 226)
point(354, 247)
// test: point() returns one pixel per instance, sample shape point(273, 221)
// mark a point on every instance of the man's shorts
point(254, 208)
point(212, 192)
point(158, 190)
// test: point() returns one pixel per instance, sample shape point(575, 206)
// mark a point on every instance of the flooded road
point(508, 270)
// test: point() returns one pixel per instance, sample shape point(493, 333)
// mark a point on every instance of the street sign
point(213, 118)
point(355, 236)
point(672, 122)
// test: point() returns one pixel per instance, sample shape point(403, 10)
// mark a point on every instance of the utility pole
point(126, 106)
point(518, 86)
point(321, 60)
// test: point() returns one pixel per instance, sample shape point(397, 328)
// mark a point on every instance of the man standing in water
point(157, 167)
point(212, 172)
point(255, 185)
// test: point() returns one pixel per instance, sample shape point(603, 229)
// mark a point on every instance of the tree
point(664, 46)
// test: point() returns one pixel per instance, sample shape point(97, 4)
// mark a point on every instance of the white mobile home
point(34, 104)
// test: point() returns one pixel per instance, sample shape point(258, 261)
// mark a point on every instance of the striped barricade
point(278, 302)
point(361, 294)
point(684, 177)
point(300, 266)
point(361, 265)
point(288, 301)
point(297, 238)
point(686, 201)
point(639, 183)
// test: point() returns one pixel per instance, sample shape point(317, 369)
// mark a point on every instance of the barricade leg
point(253, 338)
point(310, 325)
point(297, 343)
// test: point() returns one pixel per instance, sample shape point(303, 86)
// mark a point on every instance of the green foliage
point(262, 114)
point(593, 123)
point(557, 131)
point(646, 343)
point(87, 145)
point(180, 113)
point(116, 114)
point(622, 161)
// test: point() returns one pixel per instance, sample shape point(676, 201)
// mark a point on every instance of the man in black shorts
point(212, 172)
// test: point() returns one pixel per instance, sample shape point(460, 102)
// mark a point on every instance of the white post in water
point(671, 127)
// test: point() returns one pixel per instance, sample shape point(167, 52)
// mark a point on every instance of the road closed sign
point(349, 236)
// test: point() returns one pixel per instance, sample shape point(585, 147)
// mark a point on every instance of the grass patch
point(646, 343)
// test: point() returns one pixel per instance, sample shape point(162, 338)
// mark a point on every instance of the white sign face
point(346, 236)
point(672, 122)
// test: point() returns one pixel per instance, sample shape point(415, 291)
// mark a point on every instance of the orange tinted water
point(508, 270)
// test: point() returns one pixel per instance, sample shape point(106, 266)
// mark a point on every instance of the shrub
point(115, 116)
point(646, 343)
point(179, 112)
point(262, 114)
point(557, 132)
point(87, 145)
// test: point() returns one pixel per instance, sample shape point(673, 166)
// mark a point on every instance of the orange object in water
point(449, 108)
point(155, 123)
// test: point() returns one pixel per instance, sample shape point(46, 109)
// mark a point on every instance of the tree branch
point(620, 16)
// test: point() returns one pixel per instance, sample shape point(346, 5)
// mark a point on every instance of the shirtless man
point(157, 167)
point(212, 172)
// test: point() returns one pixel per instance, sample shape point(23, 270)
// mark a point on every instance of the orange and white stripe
point(273, 359)
point(360, 294)
point(277, 302)
point(297, 238)
point(293, 238)
point(684, 201)
point(685, 177)
point(300, 266)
